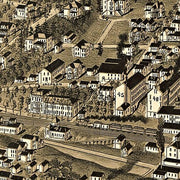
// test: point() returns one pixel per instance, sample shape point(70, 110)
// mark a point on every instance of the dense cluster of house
point(20, 153)
point(172, 31)
point(169, 167)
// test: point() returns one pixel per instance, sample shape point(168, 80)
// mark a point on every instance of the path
point(100, 158)
point(108, 28)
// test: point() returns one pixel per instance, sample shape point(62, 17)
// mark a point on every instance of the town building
point(14, 150)
point(4, 59)
point(164, 94)
point(119, 141)
point(151, 147)
point(57, 132)
point(97, 176)
point(73, 9)
point(137, 34)
point(69, 37)
point(9, 127)
point(170, 168)
point(21, 12)
point(54, 105)
point(33, 142)
point(112, 70)
point(129, 94)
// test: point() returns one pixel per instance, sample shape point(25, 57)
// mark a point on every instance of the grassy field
point(80, 166)
point(137, 155)
point(6, 139)
point(117, 29)
point(94, 31)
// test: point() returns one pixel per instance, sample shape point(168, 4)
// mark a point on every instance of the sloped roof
point(134, 80)
point(54, 65)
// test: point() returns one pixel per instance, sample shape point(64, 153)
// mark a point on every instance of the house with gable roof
point(51, 73)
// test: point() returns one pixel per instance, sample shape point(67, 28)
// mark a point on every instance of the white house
point(97, 176)
point(43, 166)
point(14, 150)
point(151, 147)
point(119, 141)
point(170, 114)
point(10, 127)
point(81, 49)
point(111, 71)
point(33, 142)
point(21, 12)
point(57, 132)
point(154, 10)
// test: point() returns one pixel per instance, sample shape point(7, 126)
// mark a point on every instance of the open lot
point(80, 166)
point(94, 31)
point(118, 28)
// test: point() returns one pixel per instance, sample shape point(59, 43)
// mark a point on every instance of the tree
point(160, 138)
point(28, 100)
point(100, 49)
point(30, 90)
point(21, 102)
point(5, 104)
point(13, 105)
point(55, 163)
point(54, 173)
point(123, 38)
point(16, 89)
point(23, 90)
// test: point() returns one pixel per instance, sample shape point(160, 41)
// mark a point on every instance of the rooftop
point(54, 65)
point(134, 80)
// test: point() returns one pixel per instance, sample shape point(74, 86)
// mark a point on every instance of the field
point(81, 166)
point(94, 31)
point(137, 155)
point(6, 139)
point(118, 28)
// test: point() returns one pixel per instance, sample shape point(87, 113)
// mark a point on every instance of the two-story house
point(50, 74)
point(81, 49)
point(75, 70)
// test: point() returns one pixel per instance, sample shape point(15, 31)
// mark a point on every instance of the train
point(122, 128)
